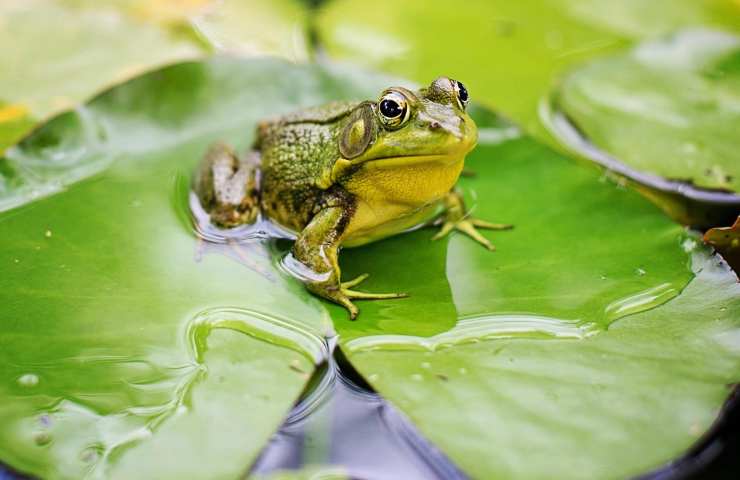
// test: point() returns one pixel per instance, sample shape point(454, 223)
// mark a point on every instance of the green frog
point(346, 174)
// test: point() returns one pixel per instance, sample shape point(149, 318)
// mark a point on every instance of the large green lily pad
point(126, 341)
point(668, 107)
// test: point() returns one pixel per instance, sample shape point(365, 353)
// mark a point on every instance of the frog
point(347, 173)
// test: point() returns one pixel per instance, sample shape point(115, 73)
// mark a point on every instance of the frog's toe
point(355, 281)
point(371, 296)
point(351, 307)
point(468, 228)
point(491, 226)
point(444, 230)
point(346, 289)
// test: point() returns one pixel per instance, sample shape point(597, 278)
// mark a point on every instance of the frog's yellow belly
point(394, 195)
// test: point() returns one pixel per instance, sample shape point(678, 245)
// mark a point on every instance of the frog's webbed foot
point(344, 294)
point(455, 218)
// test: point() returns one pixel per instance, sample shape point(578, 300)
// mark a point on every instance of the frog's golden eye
point(461, 93)
point(394, 109)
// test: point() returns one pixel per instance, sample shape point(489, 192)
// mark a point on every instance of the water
point(640, 301)
point(269, 328)
point(478, 328)
point(343, 423)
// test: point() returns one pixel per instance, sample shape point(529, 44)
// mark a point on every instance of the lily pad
point(580, 352)
point(668, 110)
point(613, 405)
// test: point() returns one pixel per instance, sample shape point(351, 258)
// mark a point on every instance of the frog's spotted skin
point(349, 173)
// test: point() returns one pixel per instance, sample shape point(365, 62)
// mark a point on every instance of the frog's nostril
point(434, 125)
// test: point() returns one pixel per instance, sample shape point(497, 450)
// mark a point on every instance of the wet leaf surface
point(668, 107)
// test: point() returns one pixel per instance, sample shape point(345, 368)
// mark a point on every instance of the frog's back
point(296, 152)
point(326, 113)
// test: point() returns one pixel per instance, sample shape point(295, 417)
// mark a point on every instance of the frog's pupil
point(390, 108)
point(463, 92)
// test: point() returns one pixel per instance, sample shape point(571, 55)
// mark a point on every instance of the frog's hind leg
point(228, 186)
point(456, 217)
point(316, 250)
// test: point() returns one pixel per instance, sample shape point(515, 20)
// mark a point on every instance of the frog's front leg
point(317, 248)
point(455, 217)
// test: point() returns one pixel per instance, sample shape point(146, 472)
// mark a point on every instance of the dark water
point(342, 422)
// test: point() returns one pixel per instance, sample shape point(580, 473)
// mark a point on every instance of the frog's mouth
point(440, 160)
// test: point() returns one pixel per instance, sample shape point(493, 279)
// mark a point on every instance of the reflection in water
point(343, 423)
point(251, 245)
point(262, 229)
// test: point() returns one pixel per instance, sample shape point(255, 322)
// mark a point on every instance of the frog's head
point(405, 126)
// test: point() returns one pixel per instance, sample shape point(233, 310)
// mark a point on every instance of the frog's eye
point(394, 109)
point(461, 93)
